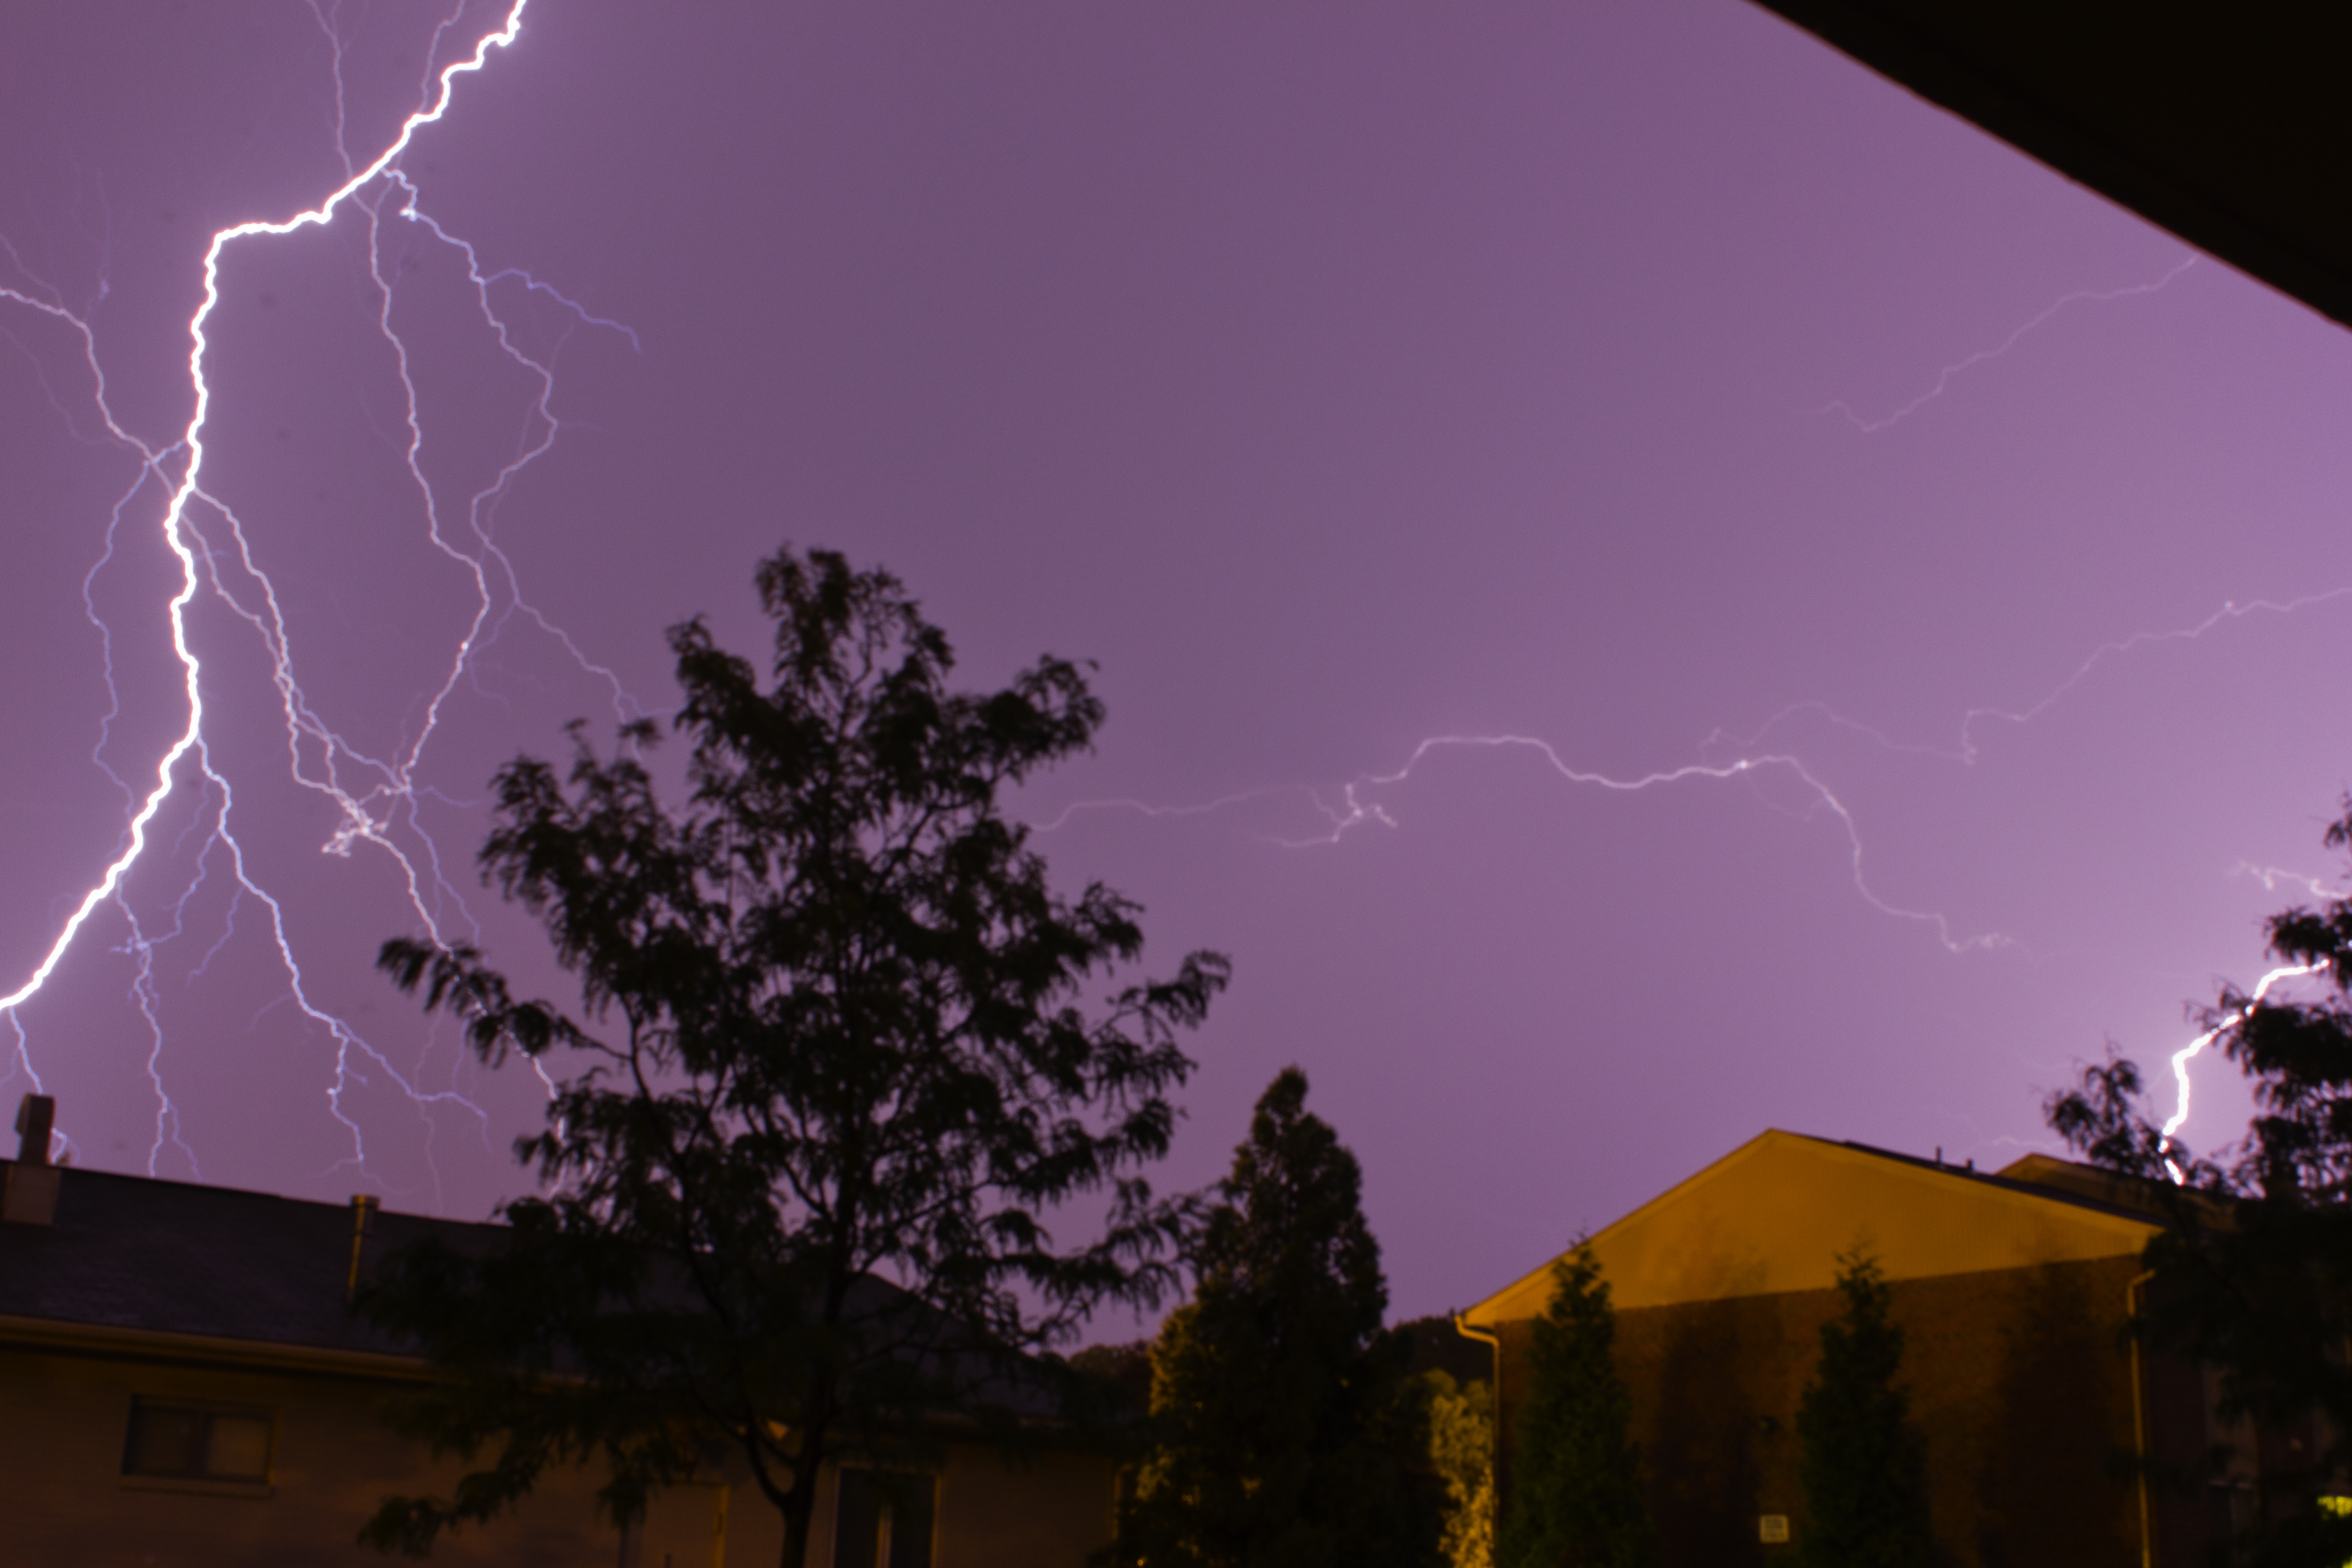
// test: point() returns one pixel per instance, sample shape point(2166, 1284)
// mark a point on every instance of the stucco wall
point(1008, 1512)
point(64, 1416)
point(63, 1420)
point(2019, 1382)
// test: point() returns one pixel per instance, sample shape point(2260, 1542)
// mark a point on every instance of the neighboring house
point(2013, 1289)
point(182, 1384)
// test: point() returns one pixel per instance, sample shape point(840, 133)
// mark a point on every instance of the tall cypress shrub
point(1864, 1468)
point(1575, 1480)
point(1283, 1431)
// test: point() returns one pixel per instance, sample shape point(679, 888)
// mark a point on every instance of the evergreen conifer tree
point(1575, 1482)
point(1864, 1468)
point(1284, 1435)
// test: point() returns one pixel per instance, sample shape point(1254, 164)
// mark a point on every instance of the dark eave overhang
point(108, 1341)
point(2228, 125)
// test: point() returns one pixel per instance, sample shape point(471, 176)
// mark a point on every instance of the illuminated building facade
point(2012, 1288)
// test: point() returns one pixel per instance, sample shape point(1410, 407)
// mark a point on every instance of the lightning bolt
point(1952, 371)
point(1965, 750)
point(1354, 812)
point(2190, 1052)
point(1353, 809)
point(2270, 877)
point(375, 798)
point(1356, 806)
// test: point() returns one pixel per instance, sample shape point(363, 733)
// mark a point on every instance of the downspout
point(1494, 1341)
point(2139, 1418)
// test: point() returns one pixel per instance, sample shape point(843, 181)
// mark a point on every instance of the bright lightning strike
point(2190, 1052)
point(373, 795)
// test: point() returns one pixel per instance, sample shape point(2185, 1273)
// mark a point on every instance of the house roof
point(1774, 1214)
point(173, 1258)
point(252, 1276)
point(2224, 123)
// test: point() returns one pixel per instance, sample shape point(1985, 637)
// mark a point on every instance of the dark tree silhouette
point(1864, 1464)
point(1284, 1435)
point(2254, 1269)
point(1575, 1492)
point(832, 1078)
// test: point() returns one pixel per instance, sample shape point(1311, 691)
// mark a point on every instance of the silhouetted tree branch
point(834, 1073)
point(2253, 1269)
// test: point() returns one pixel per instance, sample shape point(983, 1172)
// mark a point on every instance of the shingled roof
point(174, 1258)
point(231, 1269)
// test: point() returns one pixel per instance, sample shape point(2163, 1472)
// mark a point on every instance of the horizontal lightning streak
point(2230, 610)
point(1950, 372)
point(1355, 809)
point(1967, 751)
point(1358, 814)
point(2270, 877)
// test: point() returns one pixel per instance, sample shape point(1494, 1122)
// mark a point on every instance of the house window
point(882, 1519)
point(197, 1442)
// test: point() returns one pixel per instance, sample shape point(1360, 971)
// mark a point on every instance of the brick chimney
point(363, 1207)
point(30, 1195)
point(36, 1114)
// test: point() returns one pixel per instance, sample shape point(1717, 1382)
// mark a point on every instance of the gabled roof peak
point(1775, 1213)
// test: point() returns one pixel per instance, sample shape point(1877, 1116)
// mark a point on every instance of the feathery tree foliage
point(1462, 1452)
point(2254, 1269)
point(1864, 1466)
point(1575, 1495)
point(1284, 1435)
point(833, 1076)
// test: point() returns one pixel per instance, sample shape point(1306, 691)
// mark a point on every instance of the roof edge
point(1485, 1313)
point(1478, 1314)
point(65, 1336)
point(1939, 71)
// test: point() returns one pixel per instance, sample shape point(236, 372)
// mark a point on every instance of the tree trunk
point(800, 1513)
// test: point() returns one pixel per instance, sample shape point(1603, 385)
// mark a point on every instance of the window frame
point(885, 1516)
point(204, 1479)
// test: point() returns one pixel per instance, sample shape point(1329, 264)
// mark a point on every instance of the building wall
point(2019, 1382)
point(1002, 1510)
point(994, 1510)
point(65, 1416)
point(63, 1422)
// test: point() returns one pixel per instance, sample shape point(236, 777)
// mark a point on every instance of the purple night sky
point(1646, 383)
